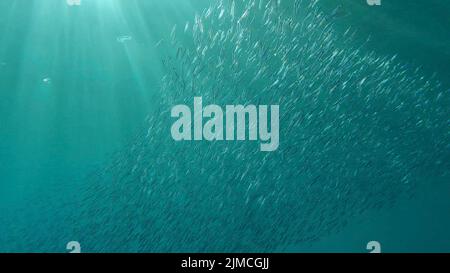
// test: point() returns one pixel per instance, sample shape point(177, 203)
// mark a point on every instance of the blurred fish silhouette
point(339, 12)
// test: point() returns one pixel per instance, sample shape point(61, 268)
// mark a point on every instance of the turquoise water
point(86, 153)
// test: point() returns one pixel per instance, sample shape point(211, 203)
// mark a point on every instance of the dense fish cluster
point(357, 131)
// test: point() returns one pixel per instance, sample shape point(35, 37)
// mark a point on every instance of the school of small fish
point(358, 131)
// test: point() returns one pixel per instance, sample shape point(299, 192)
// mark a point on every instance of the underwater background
point(86, 153)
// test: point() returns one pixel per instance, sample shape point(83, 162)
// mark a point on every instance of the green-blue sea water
point(78, 84)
